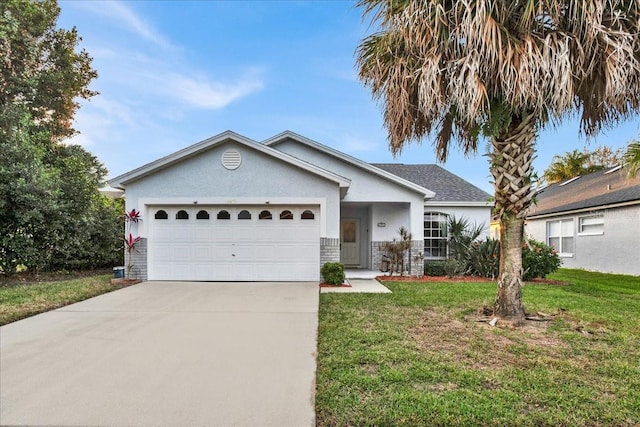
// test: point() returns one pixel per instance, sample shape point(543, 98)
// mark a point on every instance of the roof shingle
point(447, 186)
point(593, 190)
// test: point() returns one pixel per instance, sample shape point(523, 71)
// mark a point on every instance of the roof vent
point(231, 159)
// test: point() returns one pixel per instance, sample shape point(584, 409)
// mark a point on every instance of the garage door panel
point(234, 250)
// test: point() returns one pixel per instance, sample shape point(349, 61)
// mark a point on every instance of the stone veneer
point(138, 260)
point(329, 250)
point(417, 267)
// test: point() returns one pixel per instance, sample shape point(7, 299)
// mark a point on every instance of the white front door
point(350, 242)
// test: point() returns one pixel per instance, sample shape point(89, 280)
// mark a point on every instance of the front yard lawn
point(418, 357)
point(20, 300)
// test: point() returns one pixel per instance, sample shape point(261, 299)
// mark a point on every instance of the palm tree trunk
point(511, 167)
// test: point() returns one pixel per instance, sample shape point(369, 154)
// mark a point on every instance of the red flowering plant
point(130, 242)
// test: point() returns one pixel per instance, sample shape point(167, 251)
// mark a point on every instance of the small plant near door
point(130, 242)
point(396, 251)
point(333, 273)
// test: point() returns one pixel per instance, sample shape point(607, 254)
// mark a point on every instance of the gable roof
point(228, 136)
point(286, 135)
point(596, 190)
point(449, 188)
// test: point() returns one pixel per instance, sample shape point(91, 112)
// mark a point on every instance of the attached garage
point(234, 243)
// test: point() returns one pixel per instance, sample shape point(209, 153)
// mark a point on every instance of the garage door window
point(244, 215)
point(307, 215)
point(265, 215)
point(182, 215)
point(224, 215)
point(202, 215)
point(161, 214)
point(286, 215)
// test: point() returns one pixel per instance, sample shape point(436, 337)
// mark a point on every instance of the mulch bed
point(467, 279)
point(433, 279)
point(326, 285)
point(123, 281)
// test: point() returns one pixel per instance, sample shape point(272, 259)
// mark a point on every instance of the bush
point(538, 260)
point(333, 273)
point(434, 268)
point(453, 267)
point(484, 258)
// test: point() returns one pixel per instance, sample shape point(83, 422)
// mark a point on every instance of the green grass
point(418, 357)
point(18, 301)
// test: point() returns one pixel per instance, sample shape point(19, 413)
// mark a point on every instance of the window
point(591, 225)
point(307, 215)
point(286, 215)
point(560, 236)
point(244, 215)
point(161, 215)
point(202, 215)
point(435, 235)
point(182, 215)
point(265, 215)
point(224, 215)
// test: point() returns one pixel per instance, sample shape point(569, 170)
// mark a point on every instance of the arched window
point(265, 215)
point(435, 235)
point(202, 215)
point(161, 214)
point(307, 215)
point(286, 215)
point(224, 215)
point(182, 215)
point(244, 215)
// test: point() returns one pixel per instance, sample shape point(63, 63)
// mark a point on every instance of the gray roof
point(447, 186)
point(594, 190)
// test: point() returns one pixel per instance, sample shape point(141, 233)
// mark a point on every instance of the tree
point(576, 163)
point(605, 156)
point(51, 212)
point(460, 70)
point(632, 159)
point(40, 69)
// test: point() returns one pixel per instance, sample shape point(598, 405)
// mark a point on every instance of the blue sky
point(172, 73)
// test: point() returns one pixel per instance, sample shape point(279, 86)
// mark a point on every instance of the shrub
point(434, 268)
point(333, 273)
point(484, 258)
point(538, 259)
point(453, 267)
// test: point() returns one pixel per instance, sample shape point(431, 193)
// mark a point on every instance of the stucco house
point(593, 221)
point(232, 209)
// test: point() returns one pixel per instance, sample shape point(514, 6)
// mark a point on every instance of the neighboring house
point(593, 221)
point(232, 209)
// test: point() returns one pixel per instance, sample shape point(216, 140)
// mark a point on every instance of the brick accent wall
point(417, 268)
point(329, 250)
point(138, 260)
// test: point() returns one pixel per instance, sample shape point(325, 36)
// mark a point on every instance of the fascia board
point(190, 151)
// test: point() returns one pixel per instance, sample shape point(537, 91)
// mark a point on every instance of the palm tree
point(573, 163)
point(632, 159)
point(457, 70)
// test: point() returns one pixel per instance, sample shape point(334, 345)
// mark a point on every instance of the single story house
point(593, 221)
point(232, 209)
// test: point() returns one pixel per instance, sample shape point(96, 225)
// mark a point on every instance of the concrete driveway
point(166, 354)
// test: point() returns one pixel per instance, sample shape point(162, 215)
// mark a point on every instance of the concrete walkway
point(166, 354)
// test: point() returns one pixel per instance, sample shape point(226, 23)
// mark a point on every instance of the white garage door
point(238, 243)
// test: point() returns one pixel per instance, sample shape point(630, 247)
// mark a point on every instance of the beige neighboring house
point(593, 221)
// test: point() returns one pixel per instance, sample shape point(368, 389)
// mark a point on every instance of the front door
point(350, 242)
